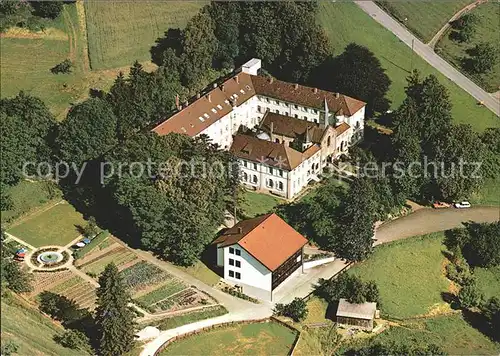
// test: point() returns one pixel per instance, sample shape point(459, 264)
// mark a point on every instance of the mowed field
point(487, 30)
point(409, 275)
point(346, 22)
point(27, 57)
point(423, 18)
point(121, 32)
point(250, 339)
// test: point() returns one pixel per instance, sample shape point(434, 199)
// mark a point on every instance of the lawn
point(57, 226)
point(244, 339)
point(488, 281)
point(487, 30)
point(346, 22)
point(452, 333)
point(27, 58)
point(200, 271)
point(27, 196)
point(256, 204)
point(188, 318)
point(423, 18)
point(121, 32)
point(409, 275)
point(31, 331)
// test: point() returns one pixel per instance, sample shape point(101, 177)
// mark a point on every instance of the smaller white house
point(259, 254)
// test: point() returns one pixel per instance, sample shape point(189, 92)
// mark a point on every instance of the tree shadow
point(396, 65)
point(209, 259)
point(171, 39)
point(479, 322)
point(331, 311)
point(451, 299)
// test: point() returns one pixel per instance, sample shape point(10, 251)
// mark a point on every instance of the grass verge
point(346, 22)
point(176, 321)
point(256, 204)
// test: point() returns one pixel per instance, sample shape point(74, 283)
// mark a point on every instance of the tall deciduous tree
point(88, 132)
point(353, 241)
point(114, 320)
point(358, 73)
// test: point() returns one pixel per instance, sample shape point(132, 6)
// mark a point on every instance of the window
point(231, 274)
point(280, 185)
point(276, 102)
point(296, 116)
point(269, 183)
point(231, 262)
point(254, 179)
point(238, 263)
point(245, 163)
point(231, 250)
point(267, 99)
point(238, 275)
point(329, 141)
point(238, 252)
point(296, 106)
point(277, 140)
point(245, 176)
point(270, 170)
point(280, 172)
point(277, 111)
point(214, 111)
point(305, 117)
point(255, 166)
point(259, 108)
point(315, 111)
point(315, 121)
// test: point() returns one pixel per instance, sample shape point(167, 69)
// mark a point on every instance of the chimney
point(337, 95)
point(272, 128)
point(177, 102)
point(198, 95)
point(209, 97)
point(315, 90)
point(240, 230)
point(237, 79)
point(271, 80)
point(296, 86)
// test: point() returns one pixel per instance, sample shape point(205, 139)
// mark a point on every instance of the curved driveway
point(427, 220)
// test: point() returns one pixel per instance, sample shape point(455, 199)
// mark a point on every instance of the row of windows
point(297, 107)
point(234, 274)
point(234, 251)
point(262, 110)
point(272, 185)
point(271, 170)
point(234, 263)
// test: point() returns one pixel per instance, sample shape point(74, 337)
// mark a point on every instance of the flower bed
point(48, 264)
point(142, 274)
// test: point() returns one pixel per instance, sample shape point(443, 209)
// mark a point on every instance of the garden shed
point(357, 315)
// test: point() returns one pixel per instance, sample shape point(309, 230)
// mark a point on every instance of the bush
point(349, 287)
point(75, 340)
point(9, 348)
point(47, 9)
point(297, 310)
point(491, 310)
point(63, 67)
point(469, 296)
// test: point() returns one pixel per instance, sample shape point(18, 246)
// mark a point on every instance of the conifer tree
point(114, 320)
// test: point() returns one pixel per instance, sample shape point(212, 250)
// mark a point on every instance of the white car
point(462, 205)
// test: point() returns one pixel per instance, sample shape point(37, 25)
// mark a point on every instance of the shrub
point(9, 348)
point(349, 287)
point(297, 309)
point(63, 67)
point(469, 296)
point(74, 339)
point(491, 310)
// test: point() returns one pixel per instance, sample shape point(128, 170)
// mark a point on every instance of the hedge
point(93, 244)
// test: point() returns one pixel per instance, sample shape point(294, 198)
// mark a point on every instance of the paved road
point(428, 55)
point(427, 220)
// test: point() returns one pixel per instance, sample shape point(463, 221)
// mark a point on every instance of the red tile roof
point(268, 238)
point(306, 96)
point(343, 127)
point(292, 127)
point(269, 153)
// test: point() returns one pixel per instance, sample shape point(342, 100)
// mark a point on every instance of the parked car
point(462, 205)
point(440, 205)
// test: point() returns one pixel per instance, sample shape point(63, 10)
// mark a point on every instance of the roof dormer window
point(242, 91)
point(206, 115)
point(219, 106)
point(183, 129)
point(201, 119)
point(214, 111)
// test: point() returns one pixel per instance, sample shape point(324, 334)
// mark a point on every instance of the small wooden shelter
point(356, 315)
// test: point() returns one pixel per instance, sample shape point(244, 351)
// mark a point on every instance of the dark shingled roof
point(292, 127)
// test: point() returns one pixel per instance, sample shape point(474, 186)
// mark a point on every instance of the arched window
point(280, 185)
point(270, 183)
point(277, 111)
point(259, 109)
point(357, 125)
point(245, 176)
point(254, 179)
point(329, 141)
point(277, 140)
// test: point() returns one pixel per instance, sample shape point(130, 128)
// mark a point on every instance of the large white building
point(277, 159)
point(259, 254)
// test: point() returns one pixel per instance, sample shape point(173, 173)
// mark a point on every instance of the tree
point(357, 213)
point(484, 57)
point(372, 293)
point(296, 310)
point(404, 347)
point(17, 280)
point(459, 152)
point(483, 247)
point(74, 339)
point(358, 73)
point(9, 348)
point(114, 320)
point(469, 296)
point(63, 67)
point(91, 229)
point(48, 9)
point(88, 132)
point(28, 131)
point(491, 162)
point(349, 287)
